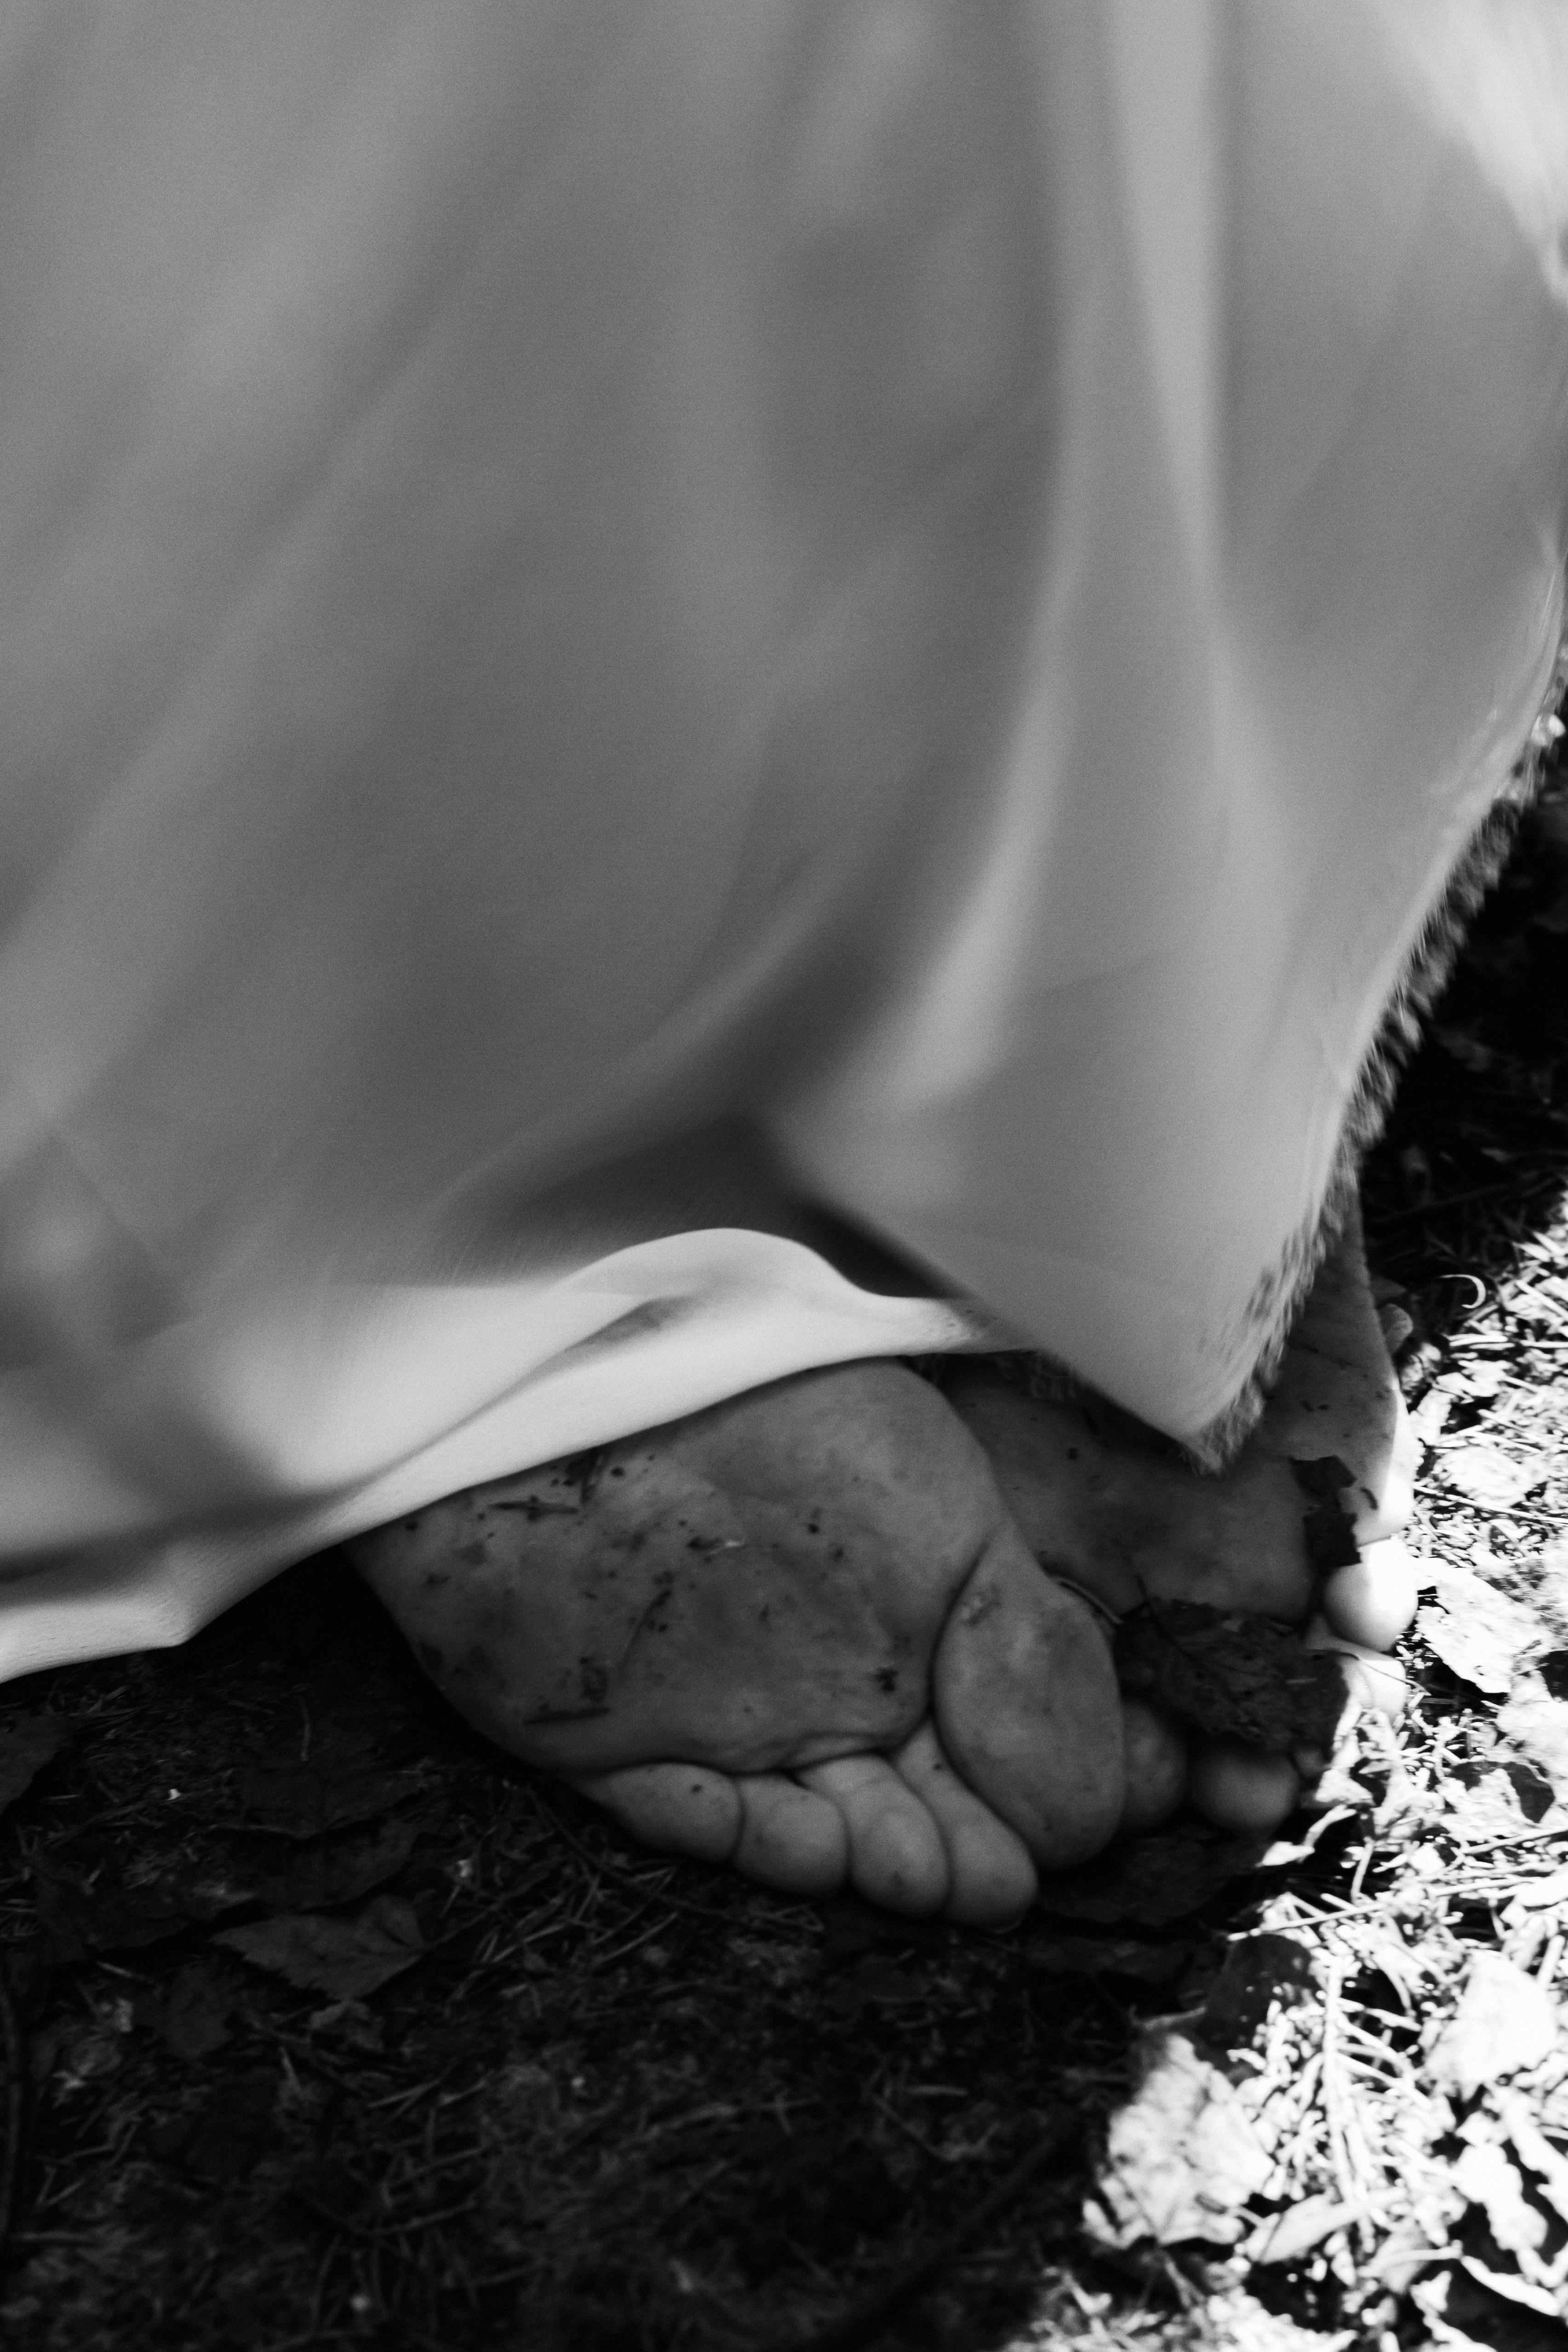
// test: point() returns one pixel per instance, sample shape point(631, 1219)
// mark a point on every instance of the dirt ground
point(325, 2024)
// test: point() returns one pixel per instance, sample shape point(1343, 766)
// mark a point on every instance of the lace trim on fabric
point(1278, 1297)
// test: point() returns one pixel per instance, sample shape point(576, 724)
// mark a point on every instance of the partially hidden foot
point(799, 1633)
point(843, 1629)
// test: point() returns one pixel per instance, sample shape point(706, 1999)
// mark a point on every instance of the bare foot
point(799, 1633)
point(807, 1632)
point(1114, 1511)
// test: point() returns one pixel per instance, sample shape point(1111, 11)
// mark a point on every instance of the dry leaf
point(1505, 2022)
point(1477, 1631)
point(1489, 1813)
point(346, 1959)
point(1516, 2289)
point(1429, 1417)
point(1542, 1893)
point(306, 1801)
point(322, 1877)
point(1286, 2237)
point(1538, 1725)
point(1493, 1481)
point(1230, 1676)
point(1532, 2148)
point(1485, 2174)
point(1183, 2157)
point(1552, 1581)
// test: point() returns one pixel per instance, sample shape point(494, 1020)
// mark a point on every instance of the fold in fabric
point(649, 651)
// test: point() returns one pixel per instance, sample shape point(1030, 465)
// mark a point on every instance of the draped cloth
point(693, 687)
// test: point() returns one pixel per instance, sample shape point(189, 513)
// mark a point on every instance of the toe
point(674, 1808)
point(1156, 1755)
point(1026, 1706)
point(1243, 1788)
point(790, 1838)
point(992, 1880)
point(897, 1857)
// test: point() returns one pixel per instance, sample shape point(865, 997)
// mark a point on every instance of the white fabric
point(935, 589)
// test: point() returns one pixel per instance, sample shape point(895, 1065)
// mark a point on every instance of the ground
point(336, 2028)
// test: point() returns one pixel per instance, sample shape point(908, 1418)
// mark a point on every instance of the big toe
point(1026, 1706)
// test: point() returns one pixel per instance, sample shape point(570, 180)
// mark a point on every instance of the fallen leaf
point(1533, 2149)
point(1505, 2022)
point(1542, 1893)
point(74, 1920)
point(28, 1743)
point(345, 1959)
point(323, 1877)
point(1514, 2289)
point(1429, 1417)
point(1182, 2158)
point(1551, 1577)
point(1489, 1813)
point(1230, 1676)
point(84, 1905)
point(1485, 2174)
point(1538, 1725)
point(306, 1801)
point(1477, 1631)
point(1493, 1481)
point(1286, 2237)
